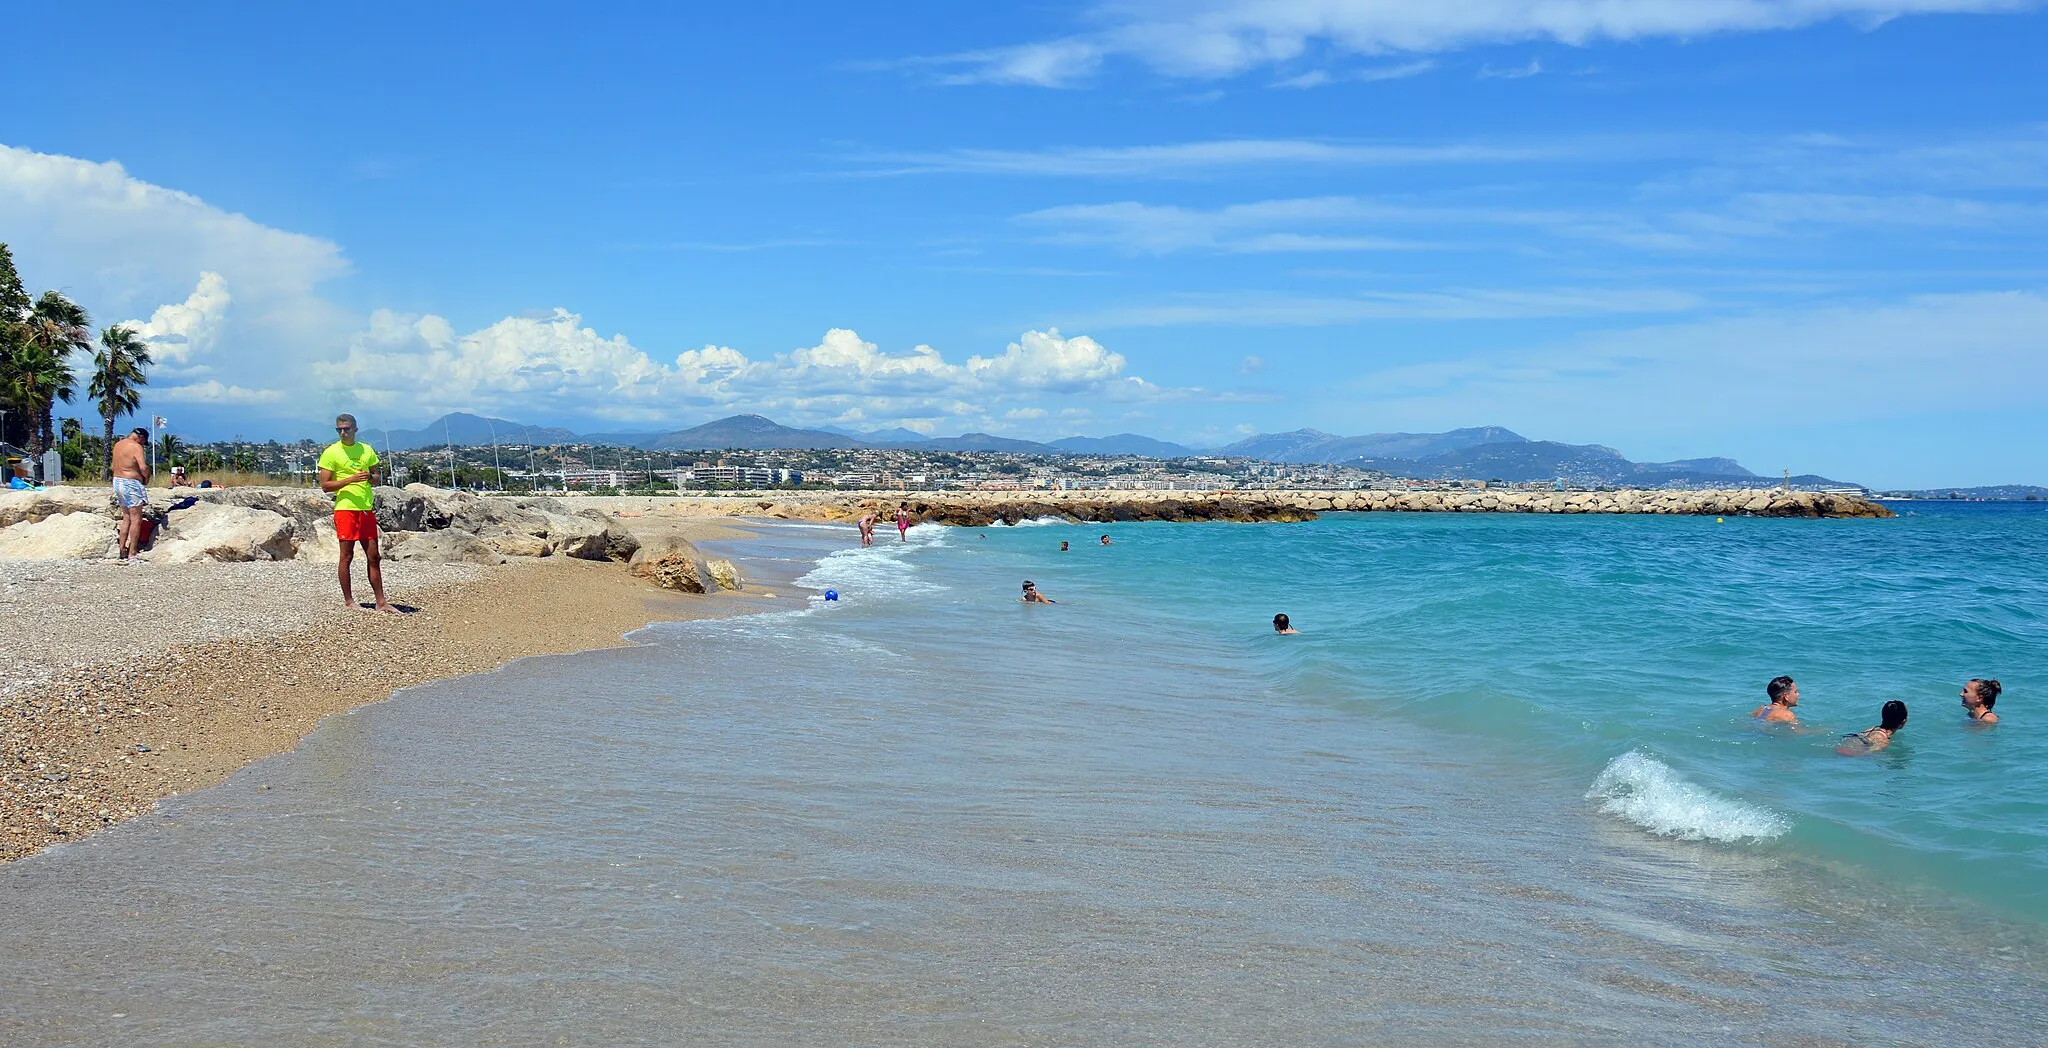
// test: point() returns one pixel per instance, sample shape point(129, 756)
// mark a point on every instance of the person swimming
point(1979, 695)
point(1280, 624)
point(1870, 740)
point(1063, 547)
point(1784, 695)
point(1032, 596)
point(1105, 540)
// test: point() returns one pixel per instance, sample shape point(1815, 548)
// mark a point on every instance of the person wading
point(347, 469)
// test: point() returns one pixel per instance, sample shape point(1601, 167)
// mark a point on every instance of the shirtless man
point(131, 487)
point(1282, 626)
point(1784, 695)
point(867, 530)
point(1979, 695)
point(1032, 596)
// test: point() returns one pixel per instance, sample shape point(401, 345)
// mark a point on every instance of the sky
point(1806, 234)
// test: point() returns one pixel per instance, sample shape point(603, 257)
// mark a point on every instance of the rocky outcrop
point(66, 536)
point(448, 544)
point(32, 506)
point(725, 573)
point(210, 531)
point(673, 563)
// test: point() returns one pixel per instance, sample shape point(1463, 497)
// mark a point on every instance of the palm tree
point(117, 380)
point(39, 366)
point(168, 448)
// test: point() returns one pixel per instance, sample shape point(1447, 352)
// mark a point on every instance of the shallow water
point(1503, 787)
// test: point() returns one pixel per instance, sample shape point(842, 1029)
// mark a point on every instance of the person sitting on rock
point(1784, 695)
point(1032, 596)
point(1870, 740)
point(1280, 624)
point(1979, 695)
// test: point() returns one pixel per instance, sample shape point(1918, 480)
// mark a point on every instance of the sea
point(1503, 787)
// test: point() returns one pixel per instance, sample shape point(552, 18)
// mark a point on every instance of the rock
point(577, 536)
point(446, 545)
point(211, 531)
point(672, 563)
point(725, 573)
point(33, 506)
point(512, 541)
point(63, 536)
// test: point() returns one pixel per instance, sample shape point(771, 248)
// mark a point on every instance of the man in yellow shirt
point(347, 469)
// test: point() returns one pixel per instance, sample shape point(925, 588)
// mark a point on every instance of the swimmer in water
point(1032, 596)
point(1871, 740)
point(1784, 695)
point(1280, 625)
point(1979, 695)
point(1063, 547)
point(1105, 540)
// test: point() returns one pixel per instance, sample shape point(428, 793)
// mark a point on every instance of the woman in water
point(1871, 740)
point(1979, 695)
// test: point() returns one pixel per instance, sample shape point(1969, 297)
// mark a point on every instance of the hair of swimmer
point(1777, 688)
point(1987, 690)
point(1893, 717)
point(1028, 583)
point(1280, 622)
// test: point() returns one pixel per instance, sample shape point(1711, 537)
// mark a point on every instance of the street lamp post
point(497, 467)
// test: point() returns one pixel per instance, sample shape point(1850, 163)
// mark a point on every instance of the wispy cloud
point(1255, 310)
point(1224, 38)
point(1185, 158)
point(1366, 75)
point(1534, 68)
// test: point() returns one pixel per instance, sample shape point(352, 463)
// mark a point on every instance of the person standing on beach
point(1979, 695)
point(1784, 695)
point(131, 487)
point(903, 522)
point(347, 469)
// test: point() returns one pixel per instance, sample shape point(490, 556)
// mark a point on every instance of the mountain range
point(1476, 453)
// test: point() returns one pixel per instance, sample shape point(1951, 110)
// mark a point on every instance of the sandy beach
point(130, 684)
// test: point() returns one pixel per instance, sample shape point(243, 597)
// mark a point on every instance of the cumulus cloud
point(178, 331)
point(1223, 38)
point(213, 391)
point(420, 364)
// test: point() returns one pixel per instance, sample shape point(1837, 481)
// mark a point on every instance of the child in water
point(1871, 740)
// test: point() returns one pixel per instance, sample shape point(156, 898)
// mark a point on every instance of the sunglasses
point(344, 429)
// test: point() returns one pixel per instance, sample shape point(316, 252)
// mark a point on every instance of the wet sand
point(140, 718)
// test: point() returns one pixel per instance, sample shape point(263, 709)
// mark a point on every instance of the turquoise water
point(1503, 789)
point(1640, 646)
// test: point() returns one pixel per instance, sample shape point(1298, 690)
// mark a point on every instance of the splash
point(1645, 791)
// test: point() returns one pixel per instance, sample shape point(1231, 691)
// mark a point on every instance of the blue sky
point(1804, 234)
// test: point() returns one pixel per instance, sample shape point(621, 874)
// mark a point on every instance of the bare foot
point(389, 610)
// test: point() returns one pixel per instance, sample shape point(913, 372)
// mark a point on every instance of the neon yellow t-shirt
point(347, 460)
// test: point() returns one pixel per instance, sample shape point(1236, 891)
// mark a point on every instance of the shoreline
point(100, 742)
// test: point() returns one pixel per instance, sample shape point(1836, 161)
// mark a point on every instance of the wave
point(877, 572)
point(1645, 791)
point(1042, 522)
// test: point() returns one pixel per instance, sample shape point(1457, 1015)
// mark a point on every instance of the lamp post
point(497, 467)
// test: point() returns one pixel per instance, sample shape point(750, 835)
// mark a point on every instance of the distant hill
point(898, 435)
point(982, 442)
point(1524, 461)
point(467, 430)
point(1122, 444)
point(746, 431)
point(2000, 492)
point(1309, 445)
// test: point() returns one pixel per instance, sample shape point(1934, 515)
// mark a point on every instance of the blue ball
point(831, 594)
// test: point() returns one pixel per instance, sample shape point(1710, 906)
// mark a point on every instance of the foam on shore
point(1647, 792)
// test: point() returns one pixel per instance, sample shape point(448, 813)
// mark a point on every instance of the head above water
point(1985, 690)
point(1893, 716)
point(1782, 691)
point(1280, 622)
point(1029, 585)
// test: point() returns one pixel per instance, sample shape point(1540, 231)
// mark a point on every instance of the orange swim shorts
point(355, 525)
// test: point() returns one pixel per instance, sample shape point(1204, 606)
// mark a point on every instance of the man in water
point(1784, 695)
point(347, 469)
point(1280, 625)
point(1979, 695)
point(1105, 540)
point(1032, 596)
point(1063, 546)
point(867, 530)
point(1870, 740)
point(131, 491)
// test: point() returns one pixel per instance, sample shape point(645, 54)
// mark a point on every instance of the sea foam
point(1645, 791)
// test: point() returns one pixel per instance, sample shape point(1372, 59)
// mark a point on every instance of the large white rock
point(18, 506)
point(65, 536)
point(209, 531)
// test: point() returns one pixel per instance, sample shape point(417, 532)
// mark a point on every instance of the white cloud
point(1182, 158)
point(1365, 75)
point(1223, 38)
point(1534, 68)
point(1248, 228)
point(1257, 310)
point(180, 330)
point(212, 391)
point(420, 365)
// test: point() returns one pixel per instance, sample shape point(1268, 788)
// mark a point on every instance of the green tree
point(38, 367)
point(168, 448)
point(120, 370)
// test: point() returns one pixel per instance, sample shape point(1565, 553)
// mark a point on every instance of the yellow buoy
point(1720, 520)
